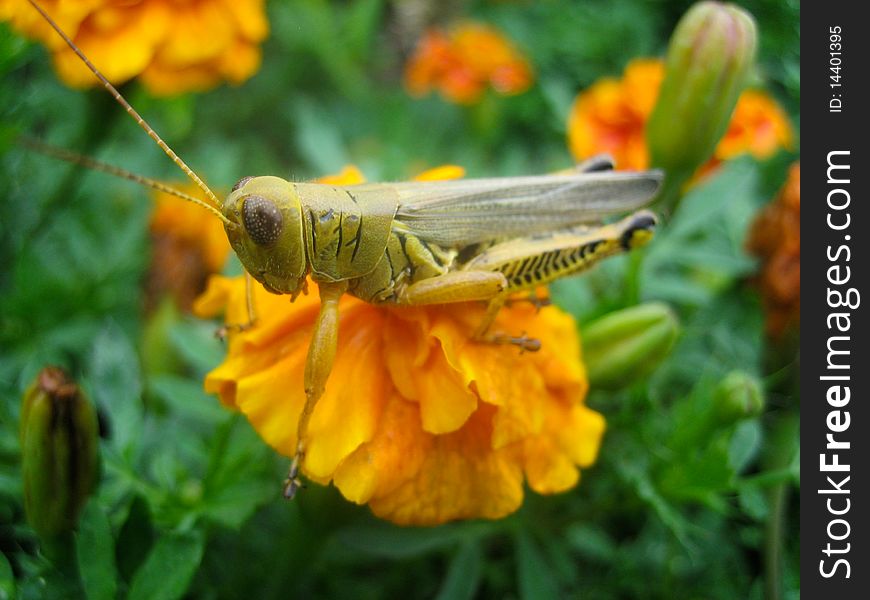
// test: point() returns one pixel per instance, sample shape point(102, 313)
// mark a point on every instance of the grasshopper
point(412, 243)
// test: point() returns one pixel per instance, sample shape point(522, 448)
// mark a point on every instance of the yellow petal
point(393, 456)
point(249, 16)
point(348, 412)
point(272, 401)
point(200, 31)
point(441, 173)
point(460, 477)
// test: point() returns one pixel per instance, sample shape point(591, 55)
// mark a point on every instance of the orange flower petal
point(459, 477)
point(394, 455)
point(349, 175)
point(775, 238)
point(175, 46)
point(462, 63)
point(441, 173)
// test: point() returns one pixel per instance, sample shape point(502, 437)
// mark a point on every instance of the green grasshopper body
point(411, 243)
point(390, 242)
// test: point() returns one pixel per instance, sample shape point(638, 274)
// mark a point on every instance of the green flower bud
point(708, 62)
point(628, 344)
point(738, 396)
point(59, 452)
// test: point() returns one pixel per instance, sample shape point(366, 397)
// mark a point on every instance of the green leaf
point(535, 579)
point(7, 579)
point(234, 503)
point(744, 445)
point(95, 549)
point(317, 138)
point(196, 343)
point(753, 501)
point(169, 567)
point(463, 575)
point(186, 399)
point(591, 541)
point(396, 542)
point(117, 385)
point(362, 24)
point(135, 538)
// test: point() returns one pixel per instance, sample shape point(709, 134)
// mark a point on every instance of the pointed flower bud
point(625, 345)
point(708, 61)
point(738, 396)
point(59, 451)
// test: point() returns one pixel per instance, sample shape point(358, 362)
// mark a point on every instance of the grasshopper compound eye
point(241, 182)
point(262, 219)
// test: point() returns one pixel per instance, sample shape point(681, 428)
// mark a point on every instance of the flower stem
point(781, 450)
point(670, 194)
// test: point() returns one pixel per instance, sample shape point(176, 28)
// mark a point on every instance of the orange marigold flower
point(189, 244)
point(461, 64)
point(758, 126)
point(611, 117)
point(775, 237)
point(173, 46)
point(417, 421)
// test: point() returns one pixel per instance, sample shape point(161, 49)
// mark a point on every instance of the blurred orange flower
point(417, 421)
point(611, 116)
point(758, 126)
point(461, 64)
point(775, 237)
point(188, 245)
point(173, 46)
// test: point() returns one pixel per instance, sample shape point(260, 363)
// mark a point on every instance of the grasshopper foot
point(293, 483)
point(524, 342)
point(537, 301)
point(222, 332)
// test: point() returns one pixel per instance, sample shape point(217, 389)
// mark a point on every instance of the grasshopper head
point(639, 229)
point(265, 230)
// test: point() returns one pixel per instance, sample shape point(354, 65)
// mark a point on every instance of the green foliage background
point(189, 500)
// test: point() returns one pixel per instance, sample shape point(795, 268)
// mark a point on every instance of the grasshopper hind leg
point(465, 286)
point(527, 263)
point(481, 334)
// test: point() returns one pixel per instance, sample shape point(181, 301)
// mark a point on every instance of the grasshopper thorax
point(265, 230)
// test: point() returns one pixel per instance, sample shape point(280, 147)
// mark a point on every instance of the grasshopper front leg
point(318, 365)
point(222, 332)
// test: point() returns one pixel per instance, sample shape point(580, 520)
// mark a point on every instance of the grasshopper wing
point(466, 211)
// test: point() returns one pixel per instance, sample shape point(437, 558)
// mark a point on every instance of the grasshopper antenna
point(131, 111)
point(97, 165)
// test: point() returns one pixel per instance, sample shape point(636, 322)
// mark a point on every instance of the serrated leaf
point(117, 386)
point(463, 575)
point(169, 568)
point(186, 398)
point(95, 548)
point(232, 505)
point(735, 182)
